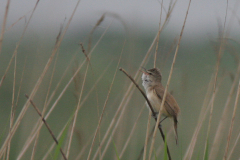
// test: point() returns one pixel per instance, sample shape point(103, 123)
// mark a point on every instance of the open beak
point(144, 71)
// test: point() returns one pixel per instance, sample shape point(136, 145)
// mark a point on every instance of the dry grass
point(108, 119)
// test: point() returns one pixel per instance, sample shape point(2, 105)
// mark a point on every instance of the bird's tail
point(175, 128)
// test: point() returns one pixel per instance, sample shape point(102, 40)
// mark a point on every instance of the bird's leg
point(162, 121)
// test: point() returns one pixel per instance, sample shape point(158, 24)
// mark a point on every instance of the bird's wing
point(171, 105)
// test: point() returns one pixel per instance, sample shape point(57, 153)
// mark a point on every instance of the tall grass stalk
point(234, 146)
point(131, 133)
point(223, 121)
point(18, 43)
point(219, 55)
point(61, 93)
point(168, 82)
point(105, 104)
point(232, 122)
point(127, 93)
point(76, 112)
point(36, 87)
point(147, 135)
point(13, 129)
point(4, 24)
point(158, 36)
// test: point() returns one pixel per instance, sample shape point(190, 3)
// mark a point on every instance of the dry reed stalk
point(20, 85)
point(168, 82)
point(88, 51)
point(34, 148)
point(234, 146)
point(161, 147)
point(89, 63)
point(84, 148)
point(169, 52)
point(222, 42)
point(51, 109)
point(120, 107)
point(83, 101)
point(147, 135)
point(170, 9)
point(232, 122)
point(4, 24)
point(222, 123)
point(158, 36)
point(13, 105)
point(189, 152)
point(18, 44)
point(46, 124)
point(128, 96)
point(24, 16)
point(39, 81)
point(115, 127)
point(45, 106)
point(105, 104)
point(76, 112)
point(202, 116)
point(60, 80)
point(33, 132)
point(131, 133)
point(7, 142)
point(59, 97)
point(126, 99)
point(79, 101)
point(92, 31)
point(53, 145)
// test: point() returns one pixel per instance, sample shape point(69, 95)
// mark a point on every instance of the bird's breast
point(154, 100)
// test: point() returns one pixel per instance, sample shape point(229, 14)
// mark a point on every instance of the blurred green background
point(194, 68)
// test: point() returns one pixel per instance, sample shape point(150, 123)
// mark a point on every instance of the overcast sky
point(142, 14)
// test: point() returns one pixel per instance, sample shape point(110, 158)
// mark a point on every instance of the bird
point(151, 81)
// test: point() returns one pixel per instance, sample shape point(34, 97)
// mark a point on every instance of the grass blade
point(116, 150)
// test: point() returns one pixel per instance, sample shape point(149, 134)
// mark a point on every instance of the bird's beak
point(144, 71)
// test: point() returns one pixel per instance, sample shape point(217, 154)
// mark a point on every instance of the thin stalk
point(8, 141)
point(158, 35)
point(216, 75)
point(131, 133)
point(18, 44)
point(168, 82)
point(4, 24)
point(222, 123)
point(59, 97)
point(202, 117)
point(105, 104)
point(234, 146)
point(147, 134)
point(76, 112)
point(44, 107)
point(232, 122)
point(13, 105)
point(46, 124)
point(121, 106)
point(83, 101)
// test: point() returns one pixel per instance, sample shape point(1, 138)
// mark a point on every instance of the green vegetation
point(62, 88)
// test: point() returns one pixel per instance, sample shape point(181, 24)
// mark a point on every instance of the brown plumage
point(155, 91)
